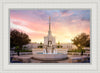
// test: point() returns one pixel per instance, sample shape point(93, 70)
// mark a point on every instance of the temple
point(49, 39)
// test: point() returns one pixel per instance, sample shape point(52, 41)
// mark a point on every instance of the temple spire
point(49, 32)
point(49, 23)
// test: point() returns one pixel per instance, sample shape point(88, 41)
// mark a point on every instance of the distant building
point(68, 46)
point(35, 45)
point(30, 46)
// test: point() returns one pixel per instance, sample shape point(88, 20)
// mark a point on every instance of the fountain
point(49, 52)
point(49, 56)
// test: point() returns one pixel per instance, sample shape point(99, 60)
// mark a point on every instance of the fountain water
point(44, 51)
point(54, 52)
point(49, 56)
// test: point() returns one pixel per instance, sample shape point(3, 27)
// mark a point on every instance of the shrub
point(77, 50)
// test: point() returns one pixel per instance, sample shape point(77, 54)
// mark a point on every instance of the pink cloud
point(38, 28)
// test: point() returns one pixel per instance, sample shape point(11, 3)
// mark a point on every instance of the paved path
point(29, 59)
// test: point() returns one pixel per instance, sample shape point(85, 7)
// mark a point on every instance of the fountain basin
point(49, 56)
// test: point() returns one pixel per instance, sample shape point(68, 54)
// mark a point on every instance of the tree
point(17, 50)
point(59, 46)
point(81, 41)
point(41, 45)
point(18, 39)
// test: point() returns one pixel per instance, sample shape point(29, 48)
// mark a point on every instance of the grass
point(76, 50)
point(24, 50)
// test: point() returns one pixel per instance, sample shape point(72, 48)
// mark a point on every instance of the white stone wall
point(51, 38)
point(68, 46)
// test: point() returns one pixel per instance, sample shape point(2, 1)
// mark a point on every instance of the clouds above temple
point(65, 24)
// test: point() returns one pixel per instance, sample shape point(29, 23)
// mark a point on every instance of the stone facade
point(51, 38)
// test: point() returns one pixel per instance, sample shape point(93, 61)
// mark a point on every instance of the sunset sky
point(65, 24)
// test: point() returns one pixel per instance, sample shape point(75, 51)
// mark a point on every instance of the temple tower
point(49, 40)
